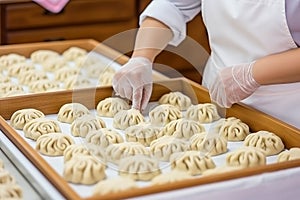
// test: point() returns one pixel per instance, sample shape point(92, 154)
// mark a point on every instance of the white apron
point(241, 31)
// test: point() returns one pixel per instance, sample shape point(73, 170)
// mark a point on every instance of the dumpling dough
point(177, 99)
point(8, 89)
point(78, 150)
point(125, 118)
point(143, 133)
point(71, 111)
point(292, 154)
point(85, 124)
point(54, 64)
point(163, 147)
point(53, 144)
point(246, 157)
point(75, 150)
point(191, 162)
point(208, 144)
point(40, 56)
point(111, 106)
point(232, 129)
point(170, 177)
point(20, 117)
point(139, 167)
point(203, 113)
point(84, 170)
point(221, 169)
point(6, 177)
point(182, 128)
point(105, 78)
point(10, 59)
point(115, 152)
point(268, 142)
point(65, 72)
point(31, 76)
point(43, 86)
point(114, 185)
point(163, 114)
point(11, 192)
point(77, 81)
point(40, 126)
point(74, 52)
point(104, 137)
point(19, 68)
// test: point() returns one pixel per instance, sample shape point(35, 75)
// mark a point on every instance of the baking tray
point(108, 55)
point(49, 103)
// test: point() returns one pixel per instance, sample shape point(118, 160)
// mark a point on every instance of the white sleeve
point(173, 13)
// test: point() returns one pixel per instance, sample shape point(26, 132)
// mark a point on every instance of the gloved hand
point(233, 84)
point(134, 82)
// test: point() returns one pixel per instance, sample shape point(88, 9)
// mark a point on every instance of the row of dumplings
point(47, 70)
point(137, 147)
point(9, 188)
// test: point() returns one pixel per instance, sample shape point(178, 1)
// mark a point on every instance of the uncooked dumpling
point(11, 192)
point(267, 141)
point(73, 53)
point(53, 144)
point(65, 72)
point(20, 117)
point(191, 162)
point(139, 167)
point(177, 99)
point(77, 82)
point(115, 152)
point(110, 106)
point(43, 86)
point(85, 124)
point(163, 147)
point(7, 89)
point(163, 114)
point(105, 78)
point(125, 118)
point(114, 185)
point(71, 111)
point(10, 59)
point(291, 154)
point(246, 157)
point(40, 56)
point(203, 113)
point(104, 137)
point(232, 129)
point(40, 126)
point(182, 128)
point(170, 177)
point(208, 144)
point(31, 76)
point(54, 64)
point(19, 68)
point(143, 133)
point(6, 177)
point(84, 170)
point(75, 150)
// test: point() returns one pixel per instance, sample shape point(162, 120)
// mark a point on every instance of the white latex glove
point(134, 82)
point(233, 84)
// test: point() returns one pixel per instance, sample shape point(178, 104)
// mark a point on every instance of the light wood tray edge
point(90, 97)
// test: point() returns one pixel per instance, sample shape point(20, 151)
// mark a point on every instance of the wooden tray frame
point(49, 103)
point(60, 46)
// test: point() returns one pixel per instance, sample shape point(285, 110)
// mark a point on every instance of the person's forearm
point(278, 68)
point(152, 37)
